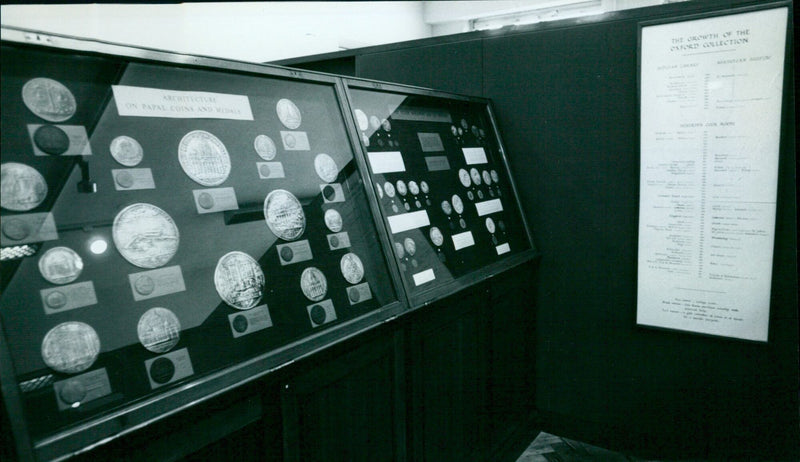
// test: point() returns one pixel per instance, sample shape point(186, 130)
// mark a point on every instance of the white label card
point(321, 313)
point(155, 102)
point(295, 141)
point(68, 297)
point(474, 156)
point(78, 140)
point(294, 252)
point(386, 162)
point(29, 227)
point(338, 240)
point(249, 321)
point(81, 389)
point(407, 221)
point(160, 373)
point(269, 170)
point(487, 207)
point(130, 179)
point(215, 200)
point(331, 193)
point(503, 248)
point(424, 276)
point(359, 293)
point(462, 240)
point(157, 282)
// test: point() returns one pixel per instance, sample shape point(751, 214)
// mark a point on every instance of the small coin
point(318, 314)
point(49, 99)
point(352, 268)
point(124, 179)
point(458, 205)
point(313, 284)
point(406, 206)
point(399, 250)
point(464, 124)
point(454, 130)
point(287, 253)
point(204, 158)
point(284, 215)
point(333, 220)
point(126, 150)
point(494, 239)
point(265, 147)
point(365, 139)
point(145, 235)
point(264, 170)
point(463, 177)
point(495, 176)
point(418, 204)
point(470, 195)
point(436, 236)
point(326, 167)
point(401, 188)
point(475, 175)
point(394, 208)
point(460, 131)
point(70, 347)
point(462, 223)
point(487, 177)
point(410, 246)
point(374, 122)
point(205, 200)
point(240, 323)
point(501, 225)
point(51, 140)
point(334, 241)
point(386, 125)
point(144, 285)
point(446, 208)
point(389, 188)
point(480, 194)
point(423, 185)
point(490, 225)
point(56, 299)
point(482, 133)
point(329, 192)
point(475, 131)
point(239, 280)
point(289, 140)
point(361, 119)
point(413, 187)
point(288, 113)
point(22, 188)
point(72, 392)
point(354, 295)
point(159, 330)
point(16, 229)
point(162, 370)
point(60, 265)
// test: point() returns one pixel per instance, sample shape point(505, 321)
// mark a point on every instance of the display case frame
point(420, 298)
point(134, 415)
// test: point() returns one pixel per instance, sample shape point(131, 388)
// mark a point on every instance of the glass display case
point(172, 226)
point(441, 179)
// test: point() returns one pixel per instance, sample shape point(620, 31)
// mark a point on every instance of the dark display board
point(443, 186)
point(169, 228)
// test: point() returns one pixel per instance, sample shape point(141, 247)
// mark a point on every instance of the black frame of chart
point(172, 227)
point(439, 173)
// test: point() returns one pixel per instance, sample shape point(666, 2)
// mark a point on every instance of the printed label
point(437, 163)
point(68, 297)
point(81, 389)
point(157, 282)
point(252, 320)
point(386, 162)
point(294, 252)
point(424, 276)
point(463, 240)
point(295, 141)
point(338, 240)
point(78, 140)
point(268, 170)
point(215, 200)
point(154, 102)
point(474, 156)
point(30, 227)
point(129, 179)
point(487, 207)
point(407, 221)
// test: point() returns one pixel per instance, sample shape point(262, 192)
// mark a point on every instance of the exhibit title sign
point(711, 93)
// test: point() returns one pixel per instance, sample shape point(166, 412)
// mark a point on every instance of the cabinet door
point(348, 409)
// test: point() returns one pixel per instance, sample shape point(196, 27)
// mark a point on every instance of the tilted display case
point(172, 227)
point(441, 179)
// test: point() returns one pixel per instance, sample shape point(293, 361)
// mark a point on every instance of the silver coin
point(313, 284)
point(126, 150)
point(333, 220)
point(446, 208)
point(464, 124)
point(463, 177)
point(413, 188)
point(454, 130)
point(289, 114)
point(423, 185)
point(352, 268)
point(476, 176)
point(410, 246)
point(458, 206)
point(145, 235)
point(326, 167)
point(482, 133)
point(361, 119)
point(159, 330)
point(380, 190)
point(70, 347)
point(284, 215)
point(265, 147)
point(204, 158)
point(22, 187)
point(386, 125)
point(490, 225)
point(487, 178)
point(239, 280)
point(436, 236)
point(374, 122)
point(399, 250)
point(60, 265)
point(460, 131)
point(495, 176)
point(401, 188)
point(365, 139)
point(49, 99)
point(389, 189)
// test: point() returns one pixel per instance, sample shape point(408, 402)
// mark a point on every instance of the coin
point(51, 140)
point(463, 177)
point(410, 246)
point(326, 168)
point(329, 192)
point(386, 125)
point(423, 185)
point(124, 179)
point(374, 122)
point(458, 206)
point(361, 119)
point(333, 220)
point(462, 223)
point(470, 195)
point(354, 295)
point(239, 280)
point(482, 133)
point(464, 124)
point(487, 178)
point(401, 188)
point(126, 150)
point(70, 347)
point(352, 268)
point(265, 147)
point(284, 215)
point(287, 253)
point(454, 130)
point(318, 314)
point(501, 225)
point(389, 189)
point(476, 176)
point(240, 323)
point(22, 187)
point(60, 265)
point(399, 250)
point(436, 236)
point(159, 330)
point(495, 176)
point(144, 285)
point(490, 225)
point(365, 139)
point(313, 284)
point(204, 158)
point(288, 113)
point(49, 99)
point(145, 235)
point(205, 200)
point(475, 131)
point(460, 131)
point(446, 208)
point(380, 190)
point(480, 195)
point(56, 299)
point(72, 392)
point(15, 229)
point(162, 370)
point(413, 188)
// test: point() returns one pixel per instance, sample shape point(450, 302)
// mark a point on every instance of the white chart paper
point(156, 102)
point(711, 92)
